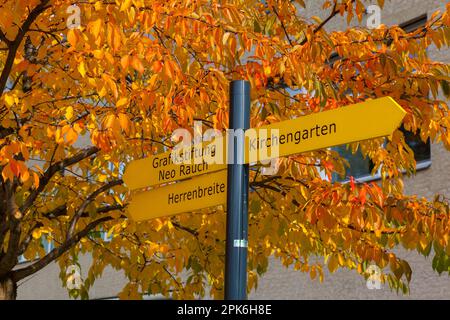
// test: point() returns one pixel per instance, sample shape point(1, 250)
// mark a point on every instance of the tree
point(77, 104)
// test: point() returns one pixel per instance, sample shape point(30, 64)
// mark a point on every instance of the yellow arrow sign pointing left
point(159, 169)
point(190, 195)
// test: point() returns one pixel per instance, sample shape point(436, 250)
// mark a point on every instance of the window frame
point(408, 26)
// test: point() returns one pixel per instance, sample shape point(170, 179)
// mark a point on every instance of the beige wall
point(46, 284)
point(282, 283)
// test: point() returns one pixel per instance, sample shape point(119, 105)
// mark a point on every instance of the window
point(45, 244)
point(360, 167)
point(422, 150)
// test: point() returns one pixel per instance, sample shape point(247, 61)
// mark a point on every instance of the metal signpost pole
point(237, 194)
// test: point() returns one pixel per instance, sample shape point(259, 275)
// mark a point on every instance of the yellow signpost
point(357, 122)
point(367, 120)
point(159, 169)
point(194, 194)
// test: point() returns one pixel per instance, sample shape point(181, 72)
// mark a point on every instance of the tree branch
point(8, 260)
point(333, 13)
point(57, 166)
point(57, 252)
point(89, 199)
point(57, 212)
point(14, 45)
point(4, 38)
point(282, 26)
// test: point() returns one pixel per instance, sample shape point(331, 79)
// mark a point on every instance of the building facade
point(433, 177)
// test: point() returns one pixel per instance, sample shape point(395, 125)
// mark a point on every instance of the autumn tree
point(78, 104)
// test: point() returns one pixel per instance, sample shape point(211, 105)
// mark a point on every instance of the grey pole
point(237, 195)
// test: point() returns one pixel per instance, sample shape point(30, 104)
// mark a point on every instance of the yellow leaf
point(118, 200)
point(137, 64)
point(114, 37)
point(333, 264)
point(37, 234)
point(98, 5)
point(78, 128)
point(158, 224)
point(96, 27)
point(9, 99)
point(69, 113)
point(82, 69)
point(108, 235)
point(125, 5)
point(122, 101)
point(125, 123)
point(98, 54)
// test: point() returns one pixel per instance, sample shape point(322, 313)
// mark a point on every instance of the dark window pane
point(422, 150)
point(359, 167)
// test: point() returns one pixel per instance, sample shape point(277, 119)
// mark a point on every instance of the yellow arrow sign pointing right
point(362, 121)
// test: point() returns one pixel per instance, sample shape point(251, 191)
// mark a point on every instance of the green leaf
point(445, 88)
point(269, 24)
point(255, 206)
point(256, 26)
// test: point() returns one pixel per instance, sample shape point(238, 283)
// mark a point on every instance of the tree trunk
point(8, 289)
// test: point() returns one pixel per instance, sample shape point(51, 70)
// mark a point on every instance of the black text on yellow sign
point(357, 122)
point(197, 193)
point(159, 169)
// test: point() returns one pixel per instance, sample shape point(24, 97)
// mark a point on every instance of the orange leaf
point(71, 136)
point(168, 69)
point(7, 173)
point(25, 174)
point(125, 123)
point(137, 64)
point(352, 183)
point(15, 169)
point(72, 37)
point(157, 66)
point(125, 61)
point(362, 195)
point(35, 180)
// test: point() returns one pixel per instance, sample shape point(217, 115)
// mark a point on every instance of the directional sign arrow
point(160, 169)
point(190, 195)
point(367, 120)
point(357, 122)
